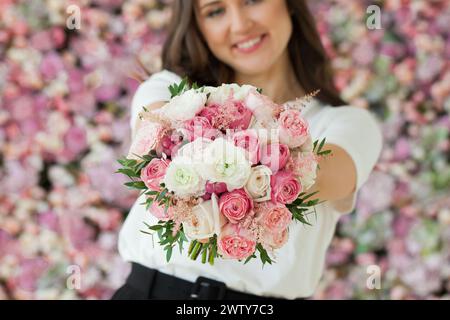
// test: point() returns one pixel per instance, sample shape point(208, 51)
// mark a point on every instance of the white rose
point(258, 184)
point(220, 94)
point(224, 162)
point(183, 179)
point(205, 221)
point(183, 107)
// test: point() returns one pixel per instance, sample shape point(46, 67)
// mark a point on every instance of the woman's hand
point(336, 177)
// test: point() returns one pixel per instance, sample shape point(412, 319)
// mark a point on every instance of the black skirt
point(149, 284)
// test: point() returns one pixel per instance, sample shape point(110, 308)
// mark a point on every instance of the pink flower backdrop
point(64, 119)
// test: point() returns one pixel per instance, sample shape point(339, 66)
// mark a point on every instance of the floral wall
point(64, 119)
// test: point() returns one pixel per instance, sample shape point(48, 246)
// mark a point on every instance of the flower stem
point(196, 251)
point(205, 252)
point(191, 247)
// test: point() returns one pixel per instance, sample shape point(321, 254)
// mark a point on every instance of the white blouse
point(300, 262)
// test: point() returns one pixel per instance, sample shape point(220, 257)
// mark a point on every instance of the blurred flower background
point(64, 119)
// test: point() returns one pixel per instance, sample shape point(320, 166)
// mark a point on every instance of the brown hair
point(186, 53)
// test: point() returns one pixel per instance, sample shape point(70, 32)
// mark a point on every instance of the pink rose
point(274, 156)
point(235, 205)
point(248, 140)
point(273, 218)
point(270, 240)
point(160, 212)
point(153, 174)
point(285, 187)
point(146, 139)
point(235, 242)
point(200, 127)
point(293, 128)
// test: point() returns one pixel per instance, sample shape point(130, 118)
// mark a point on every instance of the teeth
point(249, 44)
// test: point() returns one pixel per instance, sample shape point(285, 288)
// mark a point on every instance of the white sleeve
point(358, 132)
point(154, 89)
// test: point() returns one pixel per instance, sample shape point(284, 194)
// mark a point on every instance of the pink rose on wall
point(235, 205)
point(274, 218)
point(248, 140)
point(235, 242)
point(153, 174)
point(285, 187)
point(294, 129)
point(274, 155)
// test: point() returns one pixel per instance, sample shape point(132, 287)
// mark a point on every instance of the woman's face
point(248, 35)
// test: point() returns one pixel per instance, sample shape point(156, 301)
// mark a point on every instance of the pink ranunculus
point(235, 242)
point(211, 113)
point(294, 129)
point(242, 116)
point(235, 205)
point(272, 217)
point(200, 127)
point(285, 187)
point(248, 140)
point(274, 155)
point(231, 115)
point(274, 240)
point(304, 167)
point(160, 212)
point(153, 174)
point(146, 139)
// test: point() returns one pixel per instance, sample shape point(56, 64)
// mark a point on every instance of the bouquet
point(225, 169)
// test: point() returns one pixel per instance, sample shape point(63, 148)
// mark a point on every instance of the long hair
point(186, 53)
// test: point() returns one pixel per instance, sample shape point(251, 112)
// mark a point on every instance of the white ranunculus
point(183, 179)
point(258, 184)
point(224, 162)
point(183, 107)
point(205, 221)
point(220, 94)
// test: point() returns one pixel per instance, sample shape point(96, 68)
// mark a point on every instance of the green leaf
point(250, 258)
point(136, 185)
point(128, 172)
point(156, 227)
point(324, 153)
point(315, 145)
point(169, 253)
point(321, 145)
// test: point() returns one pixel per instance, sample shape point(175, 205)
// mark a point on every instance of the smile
point(250, 45)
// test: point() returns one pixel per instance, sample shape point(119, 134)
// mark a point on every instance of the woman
point(273, 45)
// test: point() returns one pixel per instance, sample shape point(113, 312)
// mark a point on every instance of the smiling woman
point(273, 45)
